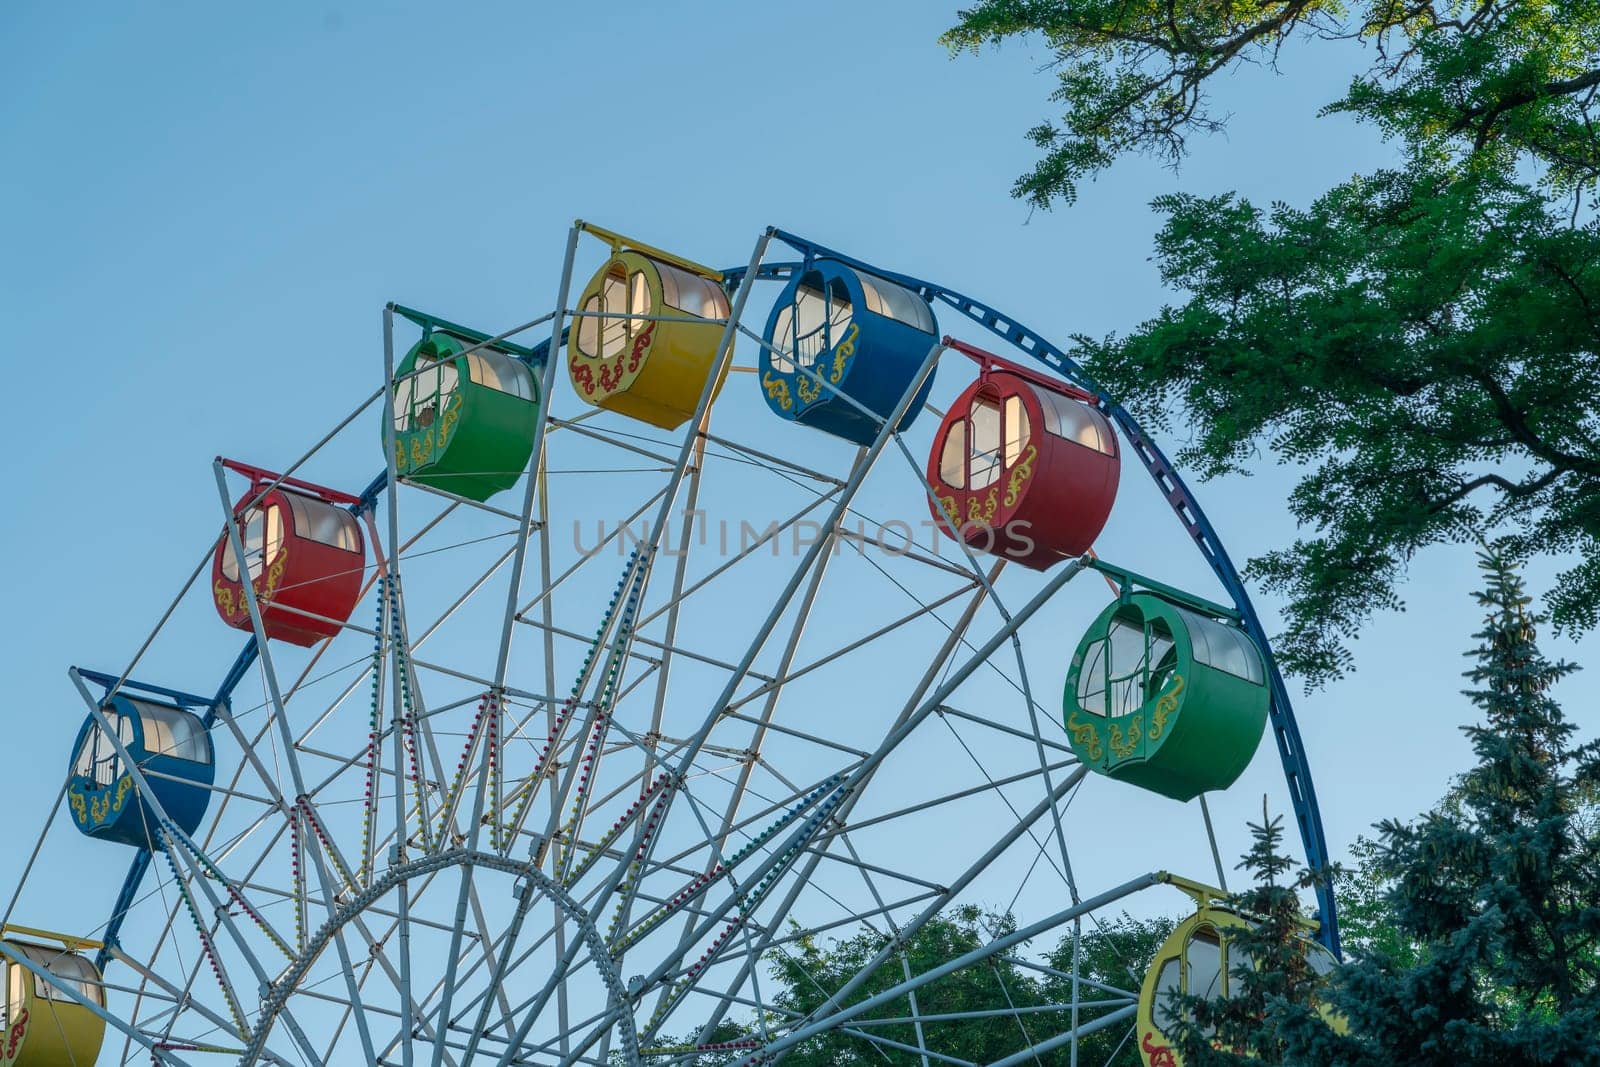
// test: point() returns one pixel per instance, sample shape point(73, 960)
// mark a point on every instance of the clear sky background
point(203, 208)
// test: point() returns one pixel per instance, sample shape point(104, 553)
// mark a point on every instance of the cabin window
point(72, 970)
point(11, 976)
point(421, 397)
point(1239, 959)
point(98, 761)
point(1204, 957)
point(818, 319)
point(983, 467)
point(780, 346)
point(638, 304)
point(1112, 679)
point(692, 294)
point(606, 330)
point(1129, 666)
point(996, 433)
point(1017, 429)
point(612, 300)
point(498, 371)
point(328, 524)
point(1204, 977)
point(170, 732)
point(1167, 986)
point(1075, 421)
point(1162, 657)
point(953, 457)
point(588, 332)
point(896, 302)
point(1223, 647)
point(262, 534)
point(1092, 680)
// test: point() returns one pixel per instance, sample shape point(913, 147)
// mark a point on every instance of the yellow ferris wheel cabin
point(1201, 958)
point(44, 1020)
point(647, 332)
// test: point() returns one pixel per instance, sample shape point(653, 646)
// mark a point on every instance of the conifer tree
point(1494, 897)
point(1501, 890)
point(1273, 978)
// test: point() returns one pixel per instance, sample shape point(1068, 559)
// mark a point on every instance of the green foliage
point(1115, 953)
point(1489, 951)
point(1424, 348)
point(1450, 79)
point(1282, 987)
point(1366, 923)
point(1420, 342)
point(812, 973)
point(1500, 893)
point(1131, 75)
point(1474, 932)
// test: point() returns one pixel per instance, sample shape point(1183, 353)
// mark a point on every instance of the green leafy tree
point(1366, 922)
point(1114, 953)
point(1420, 341)
point(809, 974)
point(1450, 79)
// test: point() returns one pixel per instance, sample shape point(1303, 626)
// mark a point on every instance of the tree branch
point(1518, 425)
point(1491, 113)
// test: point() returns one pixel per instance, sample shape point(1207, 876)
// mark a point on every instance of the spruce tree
point(1500, 889)
point(1492, 902)
point(1272, 982)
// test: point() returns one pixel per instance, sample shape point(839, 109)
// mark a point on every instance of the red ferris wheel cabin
point(304, 555)
point(1025, 466)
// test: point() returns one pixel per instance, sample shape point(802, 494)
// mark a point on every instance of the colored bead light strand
point(207, 947)
point(369, 805)
point(616, 658)
point(714, 1046)
point(297, 875)
point(541, 766)
point(492, 757)
point(610, 836)
point(588, 770)
point(547, 754)
point(524, 792)
point(720, 871)
point(635, 866)
point(452, 796)
point(402, 664)
point(748, 901)
point(215, 874)
point(314, 821)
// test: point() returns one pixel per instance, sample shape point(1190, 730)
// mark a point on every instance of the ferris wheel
point(692, 634)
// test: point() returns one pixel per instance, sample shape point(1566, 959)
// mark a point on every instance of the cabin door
point(1000, 455)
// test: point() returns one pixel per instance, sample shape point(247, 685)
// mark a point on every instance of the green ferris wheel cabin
point(1165, 697)
point(464, 417)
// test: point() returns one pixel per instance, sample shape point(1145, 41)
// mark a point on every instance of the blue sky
point(205, 207)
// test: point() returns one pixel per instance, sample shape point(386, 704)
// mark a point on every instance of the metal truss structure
point(565, 799)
